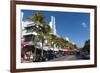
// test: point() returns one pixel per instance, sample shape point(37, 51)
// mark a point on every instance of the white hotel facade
point(25, 35)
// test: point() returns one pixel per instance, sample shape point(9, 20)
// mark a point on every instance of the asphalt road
point(67, 57)
point(63, 58)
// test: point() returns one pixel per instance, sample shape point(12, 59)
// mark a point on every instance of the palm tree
point(42, 29)
point(38, 18)
point(43, 33)
point(35, 39)
point(52, 40)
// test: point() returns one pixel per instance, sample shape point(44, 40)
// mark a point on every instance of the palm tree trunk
point(35, 53)
point(42, 47)
point(53, 47)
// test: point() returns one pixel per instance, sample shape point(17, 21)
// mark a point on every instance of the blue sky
point(74, 25)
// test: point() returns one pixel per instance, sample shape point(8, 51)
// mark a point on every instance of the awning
point(46, 48)
point(26, 43)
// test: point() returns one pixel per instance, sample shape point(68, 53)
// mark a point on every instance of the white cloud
point(67, 38)
point(84, 25)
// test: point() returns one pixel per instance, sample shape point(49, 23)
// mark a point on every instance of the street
point(62, 58)
point(67, 57)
